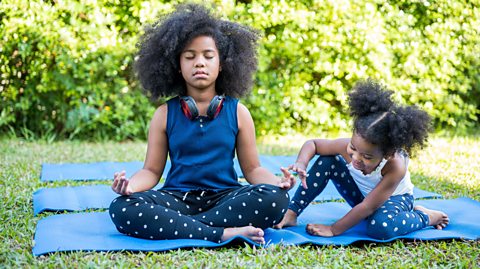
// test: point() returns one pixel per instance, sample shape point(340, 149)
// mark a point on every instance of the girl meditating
point(205, 63)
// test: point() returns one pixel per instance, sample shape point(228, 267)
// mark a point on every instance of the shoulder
point(162, 111)
point(159, 118)
point(244, 118)
point(243, 112)
point(396, 166)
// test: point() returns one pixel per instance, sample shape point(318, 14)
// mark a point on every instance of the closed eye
point(352, 147)
point(209, 55)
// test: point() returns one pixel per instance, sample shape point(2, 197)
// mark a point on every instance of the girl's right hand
point(120, 184)
point(300, 169)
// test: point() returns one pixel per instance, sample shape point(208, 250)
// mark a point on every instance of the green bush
point(314, 51)
point(66, 69)
point(66, 66)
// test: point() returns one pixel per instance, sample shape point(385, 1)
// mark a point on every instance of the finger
point(311, 229)
point(124, 186)
point(285, 172)
point(115, 183)
point(293, 181)
point(284, 185)
point(118, 186)
point(304, 183)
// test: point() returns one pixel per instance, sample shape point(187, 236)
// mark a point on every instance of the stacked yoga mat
point(94, 231)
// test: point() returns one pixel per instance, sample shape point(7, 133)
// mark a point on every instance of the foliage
point(66, 69)
point(449, 167)
point(66, 65)
point(314, 51)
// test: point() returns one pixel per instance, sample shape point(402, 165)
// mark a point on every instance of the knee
point(381, 230)
point(118, 203)
point(325, 159)
point(327, 163)
point(273, 197)
point(119, 207)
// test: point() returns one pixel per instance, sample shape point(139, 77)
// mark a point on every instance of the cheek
point(372, 163)
point(183, 65)
point(184, 69)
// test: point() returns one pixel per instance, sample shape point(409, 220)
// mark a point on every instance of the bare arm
point(157, 148)
point(321, 147)
point(247, 152)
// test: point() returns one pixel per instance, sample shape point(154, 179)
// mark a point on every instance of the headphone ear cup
point(189, 107)
point(215, 106)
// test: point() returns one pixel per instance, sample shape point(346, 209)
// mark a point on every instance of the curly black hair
point(157, 63)
point(384, 123)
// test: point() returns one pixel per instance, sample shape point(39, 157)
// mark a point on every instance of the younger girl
point(370, 169)
point(205, 62)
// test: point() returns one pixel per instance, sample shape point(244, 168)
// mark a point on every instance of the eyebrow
point(365, 154)
point(191, 50)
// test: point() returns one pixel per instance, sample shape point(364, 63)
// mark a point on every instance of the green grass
point(449, 166)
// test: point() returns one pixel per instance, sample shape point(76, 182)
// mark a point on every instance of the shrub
point(66, 66)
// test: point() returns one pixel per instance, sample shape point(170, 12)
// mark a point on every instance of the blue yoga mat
point(99, 196)
point(105, 170)
point(95, 231)
point(90, 171)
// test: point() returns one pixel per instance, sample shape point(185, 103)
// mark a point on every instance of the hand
point(288, 180)
point(120, 184)
point(300, 169)
point(320, 230)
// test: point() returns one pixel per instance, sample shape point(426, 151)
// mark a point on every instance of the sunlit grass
point(449, 166)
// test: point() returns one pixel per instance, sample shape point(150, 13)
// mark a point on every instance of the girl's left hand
point(320, 230)
point(288, 180)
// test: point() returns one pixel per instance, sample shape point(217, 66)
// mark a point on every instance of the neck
point(203, 95)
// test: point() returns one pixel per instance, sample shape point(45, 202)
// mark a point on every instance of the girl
point(206, 62)
point(370, 169)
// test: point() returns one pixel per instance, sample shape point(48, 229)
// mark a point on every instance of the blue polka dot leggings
point(394, 218)
point(164, 214)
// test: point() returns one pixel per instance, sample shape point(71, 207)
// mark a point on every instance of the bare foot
point(290, 219)
point(255, 234)
point(437, 219)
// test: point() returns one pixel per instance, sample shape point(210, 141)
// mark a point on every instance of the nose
point(356, 157)
point(200, 62)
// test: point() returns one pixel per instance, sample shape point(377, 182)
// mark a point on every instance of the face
point(365, 156)
point(200, 63)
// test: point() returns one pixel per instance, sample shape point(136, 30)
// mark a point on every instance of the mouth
point(357, 165)
point(200, 74)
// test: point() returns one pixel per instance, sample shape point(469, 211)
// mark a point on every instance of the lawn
point(449, 166)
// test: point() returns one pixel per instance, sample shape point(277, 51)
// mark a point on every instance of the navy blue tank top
point(201, 150)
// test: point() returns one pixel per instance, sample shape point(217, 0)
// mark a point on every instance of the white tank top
point(366, 183)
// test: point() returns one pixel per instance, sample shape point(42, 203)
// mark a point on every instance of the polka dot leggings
point(394, 218)
point(164, 214)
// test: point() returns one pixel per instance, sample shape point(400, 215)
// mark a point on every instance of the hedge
point(66, 66)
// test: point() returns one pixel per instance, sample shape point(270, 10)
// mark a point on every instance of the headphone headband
point(190, 110)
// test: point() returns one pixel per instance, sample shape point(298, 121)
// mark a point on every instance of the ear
point(390, 154)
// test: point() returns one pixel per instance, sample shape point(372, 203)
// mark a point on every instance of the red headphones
point(189, 107)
